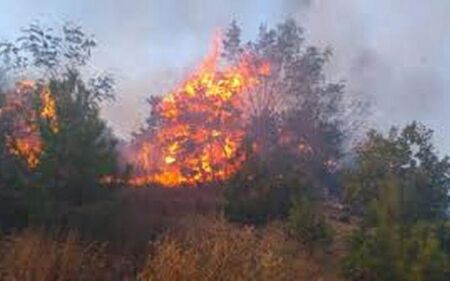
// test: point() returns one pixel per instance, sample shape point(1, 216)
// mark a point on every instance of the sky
point(395, 54)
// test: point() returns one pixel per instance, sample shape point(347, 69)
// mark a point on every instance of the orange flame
point(24, 140)
point(48, 109)
point(202, 129)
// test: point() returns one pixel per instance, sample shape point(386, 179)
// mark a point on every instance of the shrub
point(307, 225)
point(263, 189)
point(212, 249)
point(404, 162)
point(396, 254)
point(35, 255)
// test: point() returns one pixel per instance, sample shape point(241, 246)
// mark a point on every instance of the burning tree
point(295, 125)
point(295, 107)
point(23, 138)
point(54, 145)
point(269, 94)
point(195, 132)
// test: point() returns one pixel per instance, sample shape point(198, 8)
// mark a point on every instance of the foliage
point(78, 156)
point(396, 254)
point(14, 176)
point(408, 161)
point(306, 224)
point(263, 189)
point(295, 134)
point(35, 255)
point(42, 52)
point(211, 249)
point(294, 102)
point(295, 127)
point(397, 185)
point(82, 152)
point(49, 49)
point(198, 248)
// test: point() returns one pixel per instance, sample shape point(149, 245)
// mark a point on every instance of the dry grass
point(147, 212)
point(212, 249)
point(198, 248)
point(196, 245)
point(35, 255)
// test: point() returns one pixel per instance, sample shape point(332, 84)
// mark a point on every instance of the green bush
point(405, 162)
point(396, 253)
point(307, 225)
point(263, 189)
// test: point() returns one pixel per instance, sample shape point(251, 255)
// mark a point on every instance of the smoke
point(394, 53)
point(391, 53)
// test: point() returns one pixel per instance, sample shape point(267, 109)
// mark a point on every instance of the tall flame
point(201, 127)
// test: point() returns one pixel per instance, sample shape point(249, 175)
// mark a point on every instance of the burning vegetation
point(199, 127)
point(32, 103)
point(259, 118)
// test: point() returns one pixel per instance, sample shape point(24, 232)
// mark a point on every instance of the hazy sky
point(395, 53)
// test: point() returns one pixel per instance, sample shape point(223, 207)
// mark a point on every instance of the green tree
point(294, 119)
point(295, 100)
point(82, 151)
point(13, 211)
point(391, 252)
point(307, 225)
point(422, 177)
point(400, 187)
point(79, 156)
point(263, 190)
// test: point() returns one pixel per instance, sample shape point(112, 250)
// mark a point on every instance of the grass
point(36, 255)
point(165, 234)
point(213, 249)
point(197, 248)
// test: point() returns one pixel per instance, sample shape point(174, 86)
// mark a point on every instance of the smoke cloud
point(394, 53)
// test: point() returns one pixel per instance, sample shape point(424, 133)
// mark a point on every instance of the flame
point(48, 109)
point(25, 140)
point(28, 147)
point(202, 128)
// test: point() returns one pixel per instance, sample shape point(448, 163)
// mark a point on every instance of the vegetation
point(295, 123)
point(308, 226)
point(76, 149)
point(400, 186)
point(33, 255)
point(300, 208)
point(405, 163)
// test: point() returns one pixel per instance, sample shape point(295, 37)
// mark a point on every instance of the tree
point(408, 157)
point(264, 189)
point(13, 211)
point(77, 150)
point(294, 112)
point(82, 151)
point(294, 105)
point(47, 50)
point(400, 187)
point(232, 45)
point(307, 225)
point(386, 254)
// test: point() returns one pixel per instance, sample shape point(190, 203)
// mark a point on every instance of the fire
point(201, 126)
point(24, 140)
point(48, 109)
point(28, 147)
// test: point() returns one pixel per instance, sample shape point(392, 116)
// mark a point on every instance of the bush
point(211, 249)
point(263, 189)
point(307, 225)
point(35, 255)
point(396, 254)
point(404, 162)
